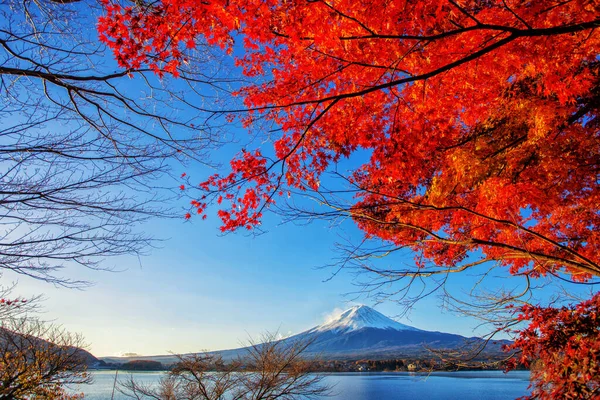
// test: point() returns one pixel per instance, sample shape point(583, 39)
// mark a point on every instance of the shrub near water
point(143, 365)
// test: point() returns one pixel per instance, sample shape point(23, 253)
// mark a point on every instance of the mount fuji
point(361, 317)
point(360, 332)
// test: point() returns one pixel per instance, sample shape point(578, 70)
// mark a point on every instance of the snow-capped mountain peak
point(360, 317)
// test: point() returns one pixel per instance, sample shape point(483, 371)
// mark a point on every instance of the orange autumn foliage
point(565, 344)
point(480, 118)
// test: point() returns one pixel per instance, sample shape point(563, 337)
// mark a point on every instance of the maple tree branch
point(585, 263)
point(476, 242)
point(343, 15)
point(360, 213)
point(465, 12)
point(529, 32)
point(514, 34)
point(516, 15)
point(593, 267)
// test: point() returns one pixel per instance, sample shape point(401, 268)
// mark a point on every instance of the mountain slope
point(363, 332)
point(32, 346)
point(360, 332)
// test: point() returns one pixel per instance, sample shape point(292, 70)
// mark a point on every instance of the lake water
point(462, 385)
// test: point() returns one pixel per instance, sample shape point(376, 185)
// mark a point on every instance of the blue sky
point(202, 290)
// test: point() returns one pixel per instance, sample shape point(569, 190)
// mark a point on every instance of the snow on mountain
point(360, 317)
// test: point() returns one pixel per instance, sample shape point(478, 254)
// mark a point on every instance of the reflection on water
point(463, 385)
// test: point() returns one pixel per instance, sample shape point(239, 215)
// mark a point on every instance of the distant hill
point(361, 333)
point(19, 339)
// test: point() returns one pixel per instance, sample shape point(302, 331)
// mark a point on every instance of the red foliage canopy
point(567, 342)
point(480, 117)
